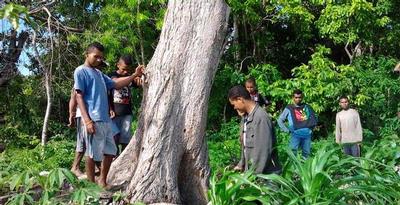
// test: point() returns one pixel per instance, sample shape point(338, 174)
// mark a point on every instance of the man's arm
point(240, 165)
point(85, 116)
point(281, 120)
point(338, 133)
point(125, 81)
point(359, 127)
point(72, 109)
point(263, 144)
point(111, 104)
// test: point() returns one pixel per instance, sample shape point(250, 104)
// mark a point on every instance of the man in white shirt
point(348, 128)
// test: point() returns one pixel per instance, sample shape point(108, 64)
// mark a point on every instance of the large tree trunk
point(167, 161)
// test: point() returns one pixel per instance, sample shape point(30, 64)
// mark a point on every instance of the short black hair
point(252, 80)
point(297, 92)
point(127, 59)
point(238, 91)
point(94, 45)
point(343, 97)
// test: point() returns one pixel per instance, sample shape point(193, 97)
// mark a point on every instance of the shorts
point(101, 142)
point(114, 129)
point(80, 139)
point(123, 123)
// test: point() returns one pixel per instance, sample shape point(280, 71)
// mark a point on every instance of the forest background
point(325, 48)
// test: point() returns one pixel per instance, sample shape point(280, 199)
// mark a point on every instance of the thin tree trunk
point(167, 160)
point(47, 78)
point(48, 108)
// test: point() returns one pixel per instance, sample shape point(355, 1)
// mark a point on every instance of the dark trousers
point(352, 149)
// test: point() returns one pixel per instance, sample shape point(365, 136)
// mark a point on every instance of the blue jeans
point(303, 142)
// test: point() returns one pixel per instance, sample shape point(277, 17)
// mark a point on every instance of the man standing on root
point(348, 128)
point(259, 141)
point(91, 87)
point(75, 121)
point(301, 119)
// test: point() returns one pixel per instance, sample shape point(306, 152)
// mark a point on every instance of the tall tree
point(167, 159)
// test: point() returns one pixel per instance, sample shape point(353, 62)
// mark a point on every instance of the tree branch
point(58, 23)
point(38, 9)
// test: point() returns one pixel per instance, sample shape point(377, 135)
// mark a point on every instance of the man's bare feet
point(237, 168)
point(83, 176)
point(77, 172)
point(102, 184)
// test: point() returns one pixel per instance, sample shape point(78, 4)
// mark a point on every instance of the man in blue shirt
point(91, 87)
point(301, 119)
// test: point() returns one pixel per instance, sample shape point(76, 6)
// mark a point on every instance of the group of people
point(100, 107)
point(257, 137)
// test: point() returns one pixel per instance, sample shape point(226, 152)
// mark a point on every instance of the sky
point(23, 59)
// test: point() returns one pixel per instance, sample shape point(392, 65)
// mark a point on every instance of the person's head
point(94, 54)
point(297, 96)
point(251, 85)
point(344, 102)
point(124, 64)
point(238, 97)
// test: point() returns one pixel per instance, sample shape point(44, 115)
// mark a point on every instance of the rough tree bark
point(9, 57)
point(167, 160)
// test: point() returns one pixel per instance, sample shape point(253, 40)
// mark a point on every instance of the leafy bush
point(30, 187)
point(326, 178)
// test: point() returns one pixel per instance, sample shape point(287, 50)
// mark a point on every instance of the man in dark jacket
point(301, 119)
point(259, 141)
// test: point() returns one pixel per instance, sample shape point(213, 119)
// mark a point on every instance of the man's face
point(94, 57)
point(344, 103)
point(238, 104)
point(297, 98)
point(122, 67)
point(250, 87)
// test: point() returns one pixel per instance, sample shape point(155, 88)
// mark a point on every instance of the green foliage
point(344, 21)
point(225, 78)
point(27, 183)
point(283, 44)
point(13, 12)
point(21, 105)
point(326, 178)
point(330, 178)
point(125, 27)
point(223, 145)
point(233, 188)
point(323, 82)
point(55, 154)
